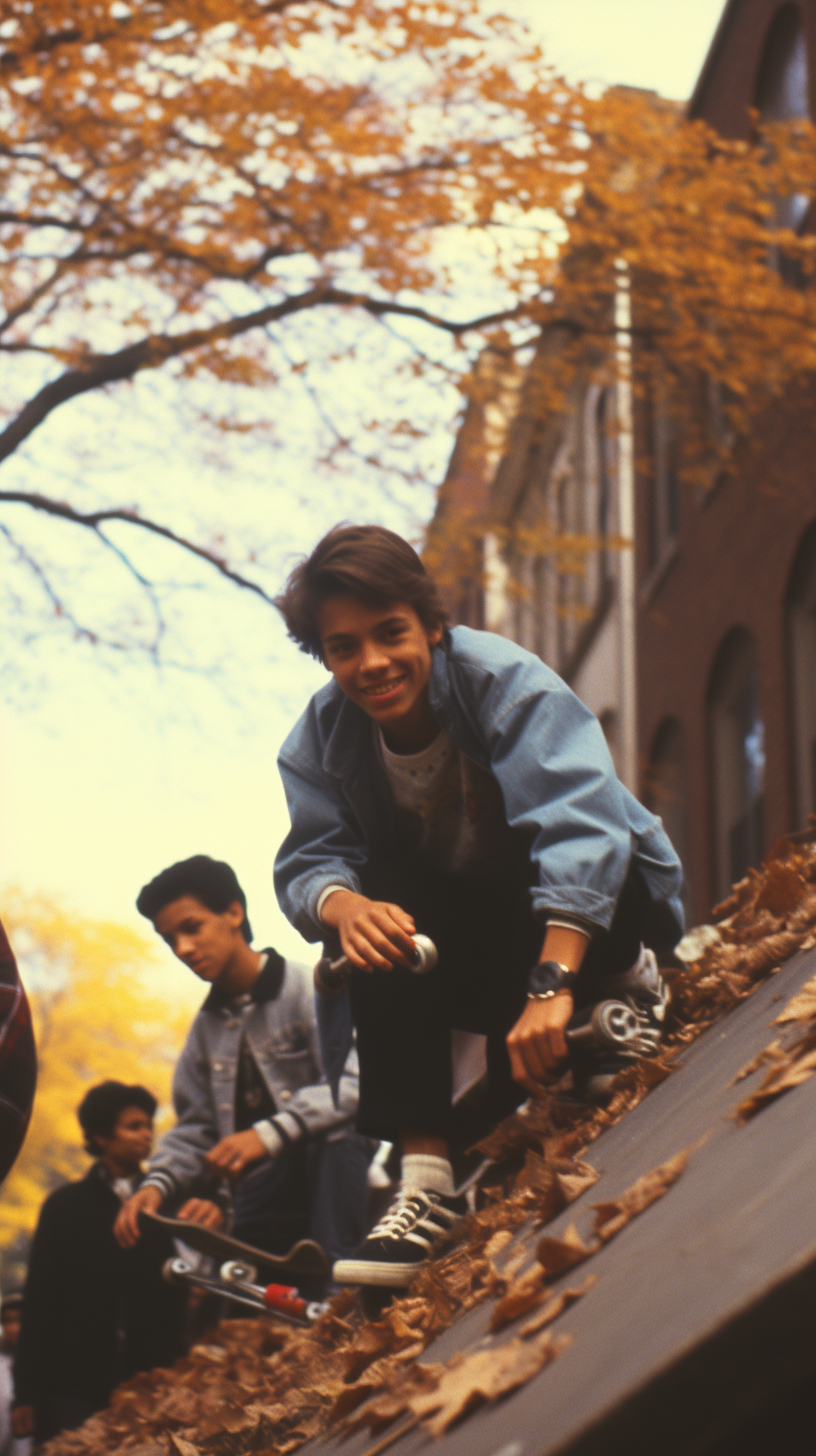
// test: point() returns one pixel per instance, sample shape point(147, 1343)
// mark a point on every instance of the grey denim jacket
point(279, 1025)
point(510, 714)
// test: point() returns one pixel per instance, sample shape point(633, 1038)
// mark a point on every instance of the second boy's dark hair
point(100, 1110)
point(368, 562)
point(211, 881)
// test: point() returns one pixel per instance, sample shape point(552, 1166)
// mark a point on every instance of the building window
point(801, 633)
point(782, 85)
point(665, 786)
point(605, 425)
point(608, 720)
point(782, 95)
point(737, 750)
point(663, 485)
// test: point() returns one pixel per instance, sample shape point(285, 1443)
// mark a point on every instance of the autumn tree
point(188, 183)
point(96, 1015)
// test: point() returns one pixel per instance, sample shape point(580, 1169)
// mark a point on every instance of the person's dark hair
point(101, 1107)
point(367, 562)
point(211, 881)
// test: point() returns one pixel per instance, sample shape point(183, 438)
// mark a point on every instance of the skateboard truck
point(236, 1281)
point(332, 975)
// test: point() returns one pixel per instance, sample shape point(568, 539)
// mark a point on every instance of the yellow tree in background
point(96, 1015)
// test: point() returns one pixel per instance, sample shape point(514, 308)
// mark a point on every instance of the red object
point(286, 1299)
point(18, 1059)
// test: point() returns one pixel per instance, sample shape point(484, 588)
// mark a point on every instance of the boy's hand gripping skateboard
point(332, 975)
point(240, 1268)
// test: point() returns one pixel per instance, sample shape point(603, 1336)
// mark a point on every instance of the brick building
point(716, 725)
point(726, 610)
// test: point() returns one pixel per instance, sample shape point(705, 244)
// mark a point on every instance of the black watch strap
point(548, 977)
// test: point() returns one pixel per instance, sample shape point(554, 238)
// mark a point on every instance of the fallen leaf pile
point(261, 1387)
point(768, 916)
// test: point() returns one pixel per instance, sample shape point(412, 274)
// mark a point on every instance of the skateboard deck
point(305, 1258)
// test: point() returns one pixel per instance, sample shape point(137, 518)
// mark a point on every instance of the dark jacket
point(93, 1313)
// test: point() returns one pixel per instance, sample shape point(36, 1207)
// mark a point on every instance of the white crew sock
point(424, 1170)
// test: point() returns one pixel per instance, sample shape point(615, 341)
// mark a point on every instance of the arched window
point(801, 632)
point(782, 85)
point(782, 95)
point(665, 787)
point(737, 749)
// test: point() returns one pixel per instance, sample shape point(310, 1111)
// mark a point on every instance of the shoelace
point(408, 1208)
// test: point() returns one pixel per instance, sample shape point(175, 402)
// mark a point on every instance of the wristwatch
point(547, 978)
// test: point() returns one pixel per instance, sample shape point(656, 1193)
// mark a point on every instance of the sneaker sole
point(368, 1271)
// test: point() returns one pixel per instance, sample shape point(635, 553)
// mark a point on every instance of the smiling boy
point(448, 782)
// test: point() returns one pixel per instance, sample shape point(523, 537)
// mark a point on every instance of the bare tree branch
point(94, 520)
point(101, 369)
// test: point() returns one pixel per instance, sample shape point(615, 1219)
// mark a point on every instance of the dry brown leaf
point(556, 1255)
point(798, 1066)
point(523, 1295)
point(771, 1053)
point(555, 1306)
point(801, 1007)
point(484, 1376)
point(396, 1399)
point(783, 888)
point(184, 1448)
point(616, 1213)
point(497, 1242)
point(580, 1177)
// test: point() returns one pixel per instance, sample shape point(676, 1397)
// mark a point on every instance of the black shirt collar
point(265, 988)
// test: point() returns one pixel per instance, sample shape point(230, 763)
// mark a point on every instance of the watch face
point(546, 976)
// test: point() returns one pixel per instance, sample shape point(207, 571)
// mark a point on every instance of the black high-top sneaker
point(643, 990)
point(403, 1240)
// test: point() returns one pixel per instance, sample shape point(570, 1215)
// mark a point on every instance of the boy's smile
point(381, 658)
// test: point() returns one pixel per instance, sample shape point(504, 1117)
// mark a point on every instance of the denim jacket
point(279, 1025)
point(510, 714)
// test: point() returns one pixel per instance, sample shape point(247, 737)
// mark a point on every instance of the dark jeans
point(488, 939)
point(316, 1189)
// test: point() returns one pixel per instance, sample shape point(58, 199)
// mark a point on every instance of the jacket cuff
point(270, 1137)
point(324, 895)
point(290, 1127)
point(163, 1181)
point(572, 922)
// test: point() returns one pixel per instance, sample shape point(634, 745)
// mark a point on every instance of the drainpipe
point(626, 526)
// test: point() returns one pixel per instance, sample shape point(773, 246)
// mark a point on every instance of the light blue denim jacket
point(510, 714)
point(280, 1028)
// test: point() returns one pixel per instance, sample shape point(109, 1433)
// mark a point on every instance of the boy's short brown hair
point(367, 562)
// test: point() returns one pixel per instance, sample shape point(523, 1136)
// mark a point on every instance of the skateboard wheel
point(235, 1271)
point(425, 955)
point(614, 1024)
point(176, 1271)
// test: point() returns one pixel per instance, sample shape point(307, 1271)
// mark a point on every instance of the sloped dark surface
point(700, 1332)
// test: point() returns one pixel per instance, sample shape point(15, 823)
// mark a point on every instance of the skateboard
point(239, 1268)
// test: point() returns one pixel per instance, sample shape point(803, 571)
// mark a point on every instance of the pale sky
point(108, 776)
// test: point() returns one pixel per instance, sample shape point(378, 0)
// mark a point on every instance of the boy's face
point(131, 1139)
point(379, 656)
point(205, 940)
